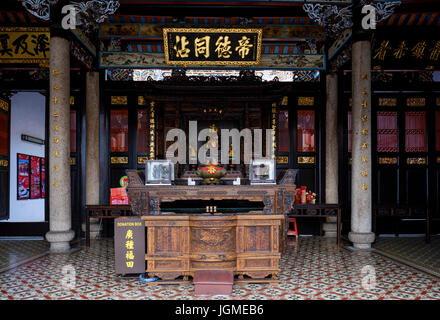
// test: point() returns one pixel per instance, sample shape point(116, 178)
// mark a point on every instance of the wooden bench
point(104, 212)
point(399, 212)
point(320, 211)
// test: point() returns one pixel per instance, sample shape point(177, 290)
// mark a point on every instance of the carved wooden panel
point(180, 245)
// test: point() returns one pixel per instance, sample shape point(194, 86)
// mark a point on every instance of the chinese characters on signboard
point(417, 54)
point(129, 245)
point(205, 46)
point(24, 45)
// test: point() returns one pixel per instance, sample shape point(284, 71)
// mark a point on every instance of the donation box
point(129, 245)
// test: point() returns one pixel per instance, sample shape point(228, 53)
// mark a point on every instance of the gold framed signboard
point(212, 46)
point(24, 45)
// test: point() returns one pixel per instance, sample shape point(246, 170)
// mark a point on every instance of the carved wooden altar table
point(248, 243)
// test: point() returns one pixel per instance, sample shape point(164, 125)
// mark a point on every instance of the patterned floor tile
point(317, 270)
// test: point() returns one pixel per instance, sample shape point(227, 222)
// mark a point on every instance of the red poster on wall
point(35, 177)
point(22, 176)
point(43, 177)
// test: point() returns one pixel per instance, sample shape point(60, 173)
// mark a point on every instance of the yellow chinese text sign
point(212, 46)
point(24, 45)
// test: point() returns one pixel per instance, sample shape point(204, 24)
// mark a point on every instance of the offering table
point(248, 243)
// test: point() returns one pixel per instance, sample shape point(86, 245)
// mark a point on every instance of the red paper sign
point(43, 178)
point(22, 176)
point(35, 177)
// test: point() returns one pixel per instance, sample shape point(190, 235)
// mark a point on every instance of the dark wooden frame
point(431, 170)
point(396, 218)
point(7, 170)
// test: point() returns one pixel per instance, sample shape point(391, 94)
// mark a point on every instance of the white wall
point(27, 117)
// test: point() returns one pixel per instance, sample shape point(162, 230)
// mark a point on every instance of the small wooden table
point(104, 212)
point(321, 210)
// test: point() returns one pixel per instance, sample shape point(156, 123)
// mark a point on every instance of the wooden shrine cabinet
point(180, 245)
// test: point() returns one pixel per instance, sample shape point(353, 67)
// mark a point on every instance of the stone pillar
point(331, 150)
point(60, 219)
point(361, 196)
point(92, 146)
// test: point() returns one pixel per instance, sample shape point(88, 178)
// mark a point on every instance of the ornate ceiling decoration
point(39, 8)
point(88, 14)
point(335, 18)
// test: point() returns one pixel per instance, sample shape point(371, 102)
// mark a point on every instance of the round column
point(92, 146)
point(60, 220)
point(331, 151)
point(361, 196)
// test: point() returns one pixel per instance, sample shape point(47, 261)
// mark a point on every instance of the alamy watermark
point(230, 148)
point(369, 20)
point(69, 20)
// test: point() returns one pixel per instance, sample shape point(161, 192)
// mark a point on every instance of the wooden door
point(4, 157)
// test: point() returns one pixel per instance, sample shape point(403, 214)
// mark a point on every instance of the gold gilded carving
point(4, 105)
point(387, 102)
point(420, 160)
point(306, 160)
point(142, 160)
point(141, 101)
point(121, 100)
point(415, 102)
point(118, 160)
point(283, 159)
point(387, 160)
point(4, 163)
point(306, 101)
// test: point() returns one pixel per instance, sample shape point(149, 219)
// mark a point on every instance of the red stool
point(294, 231)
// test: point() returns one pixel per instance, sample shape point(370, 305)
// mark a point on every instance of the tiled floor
point(318, 270)
point(413, 250)
point(15, 252)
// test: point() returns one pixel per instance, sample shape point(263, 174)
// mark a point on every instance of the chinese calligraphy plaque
point(407, 54)
point(24, 45)
point(209, 46)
